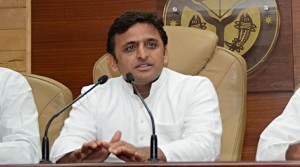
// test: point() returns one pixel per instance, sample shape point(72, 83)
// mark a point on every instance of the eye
point(130, 48)
point(151, 44)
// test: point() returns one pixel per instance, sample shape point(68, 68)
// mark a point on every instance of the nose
point(142, 53)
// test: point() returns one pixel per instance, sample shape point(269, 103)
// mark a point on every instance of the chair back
point(195, 52)
point(50, 96)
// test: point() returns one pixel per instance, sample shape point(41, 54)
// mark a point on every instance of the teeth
point(144, 65)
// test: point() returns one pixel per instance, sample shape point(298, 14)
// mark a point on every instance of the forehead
point(138, 32)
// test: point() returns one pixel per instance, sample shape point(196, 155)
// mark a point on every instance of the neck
point(144, 90)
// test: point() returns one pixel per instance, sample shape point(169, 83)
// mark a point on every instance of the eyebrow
point(134, 42)
point(152, 39)
point(130, 42)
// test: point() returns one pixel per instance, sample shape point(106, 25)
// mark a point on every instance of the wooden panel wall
point(69, 36)
point(271, 86)
point(296, 40)
point(276, 75)
point(15, 34)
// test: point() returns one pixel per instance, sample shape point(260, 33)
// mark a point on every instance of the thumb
point(116, 137)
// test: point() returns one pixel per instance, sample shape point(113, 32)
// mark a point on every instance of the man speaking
point(111, 123)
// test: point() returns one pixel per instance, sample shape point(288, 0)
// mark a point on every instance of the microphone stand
point(153, 140)
point(45, 142)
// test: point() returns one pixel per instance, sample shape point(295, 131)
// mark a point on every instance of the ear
point(112, 63)
point(166, 55)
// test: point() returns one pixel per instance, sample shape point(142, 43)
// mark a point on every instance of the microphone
point(153, 140)
point(45, 142)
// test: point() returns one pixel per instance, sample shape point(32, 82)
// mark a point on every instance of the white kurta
point(185, 110)
point(282, 131)
point(19, 131)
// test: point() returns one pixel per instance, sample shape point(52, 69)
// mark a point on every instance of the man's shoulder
point(173, 75)
point(111, 84)
point(6, 72)
point(11, 77)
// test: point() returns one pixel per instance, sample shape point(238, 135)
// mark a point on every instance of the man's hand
point(293, 152)
point(94, 151)
point(129, 153)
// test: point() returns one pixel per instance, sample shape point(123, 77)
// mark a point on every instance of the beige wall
point(15, 35)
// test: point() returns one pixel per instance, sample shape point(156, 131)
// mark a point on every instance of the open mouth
point(143, 66)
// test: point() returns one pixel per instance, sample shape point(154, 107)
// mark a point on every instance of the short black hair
point(128, 19)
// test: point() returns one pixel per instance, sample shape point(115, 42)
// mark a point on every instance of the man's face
point(140, 51)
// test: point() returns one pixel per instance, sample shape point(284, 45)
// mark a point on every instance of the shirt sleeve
point(280, 133)
point(79, 127)
point(202, 127)
point(20, 140)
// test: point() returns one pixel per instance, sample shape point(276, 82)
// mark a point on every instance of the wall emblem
point(247, 27)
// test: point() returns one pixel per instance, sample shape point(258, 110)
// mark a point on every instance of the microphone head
point(129, 77)
point(102, 79)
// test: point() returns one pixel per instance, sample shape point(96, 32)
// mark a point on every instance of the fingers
point(98, 150)
point(116, 148)
point(127, 152)
point(125, 158)
point(121, 148)
point(77, 154)
point(138, 157)
point(129, 155)
point(102, 144)
point(88, 148)
point(116, 137)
